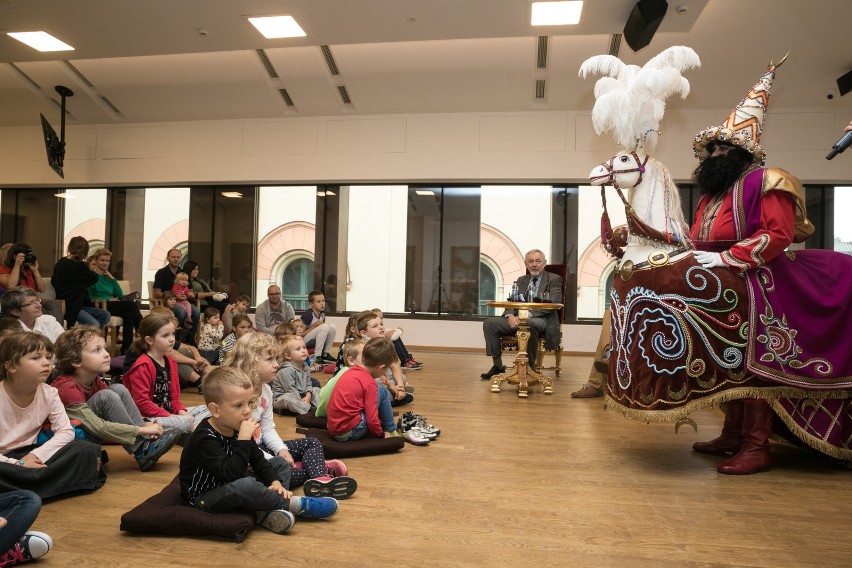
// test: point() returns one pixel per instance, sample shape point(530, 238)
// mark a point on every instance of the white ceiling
point(147, 61)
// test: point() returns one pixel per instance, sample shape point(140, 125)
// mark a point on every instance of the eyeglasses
point(33, 303)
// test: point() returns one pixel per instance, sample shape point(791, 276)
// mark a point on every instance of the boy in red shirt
point(358, 404)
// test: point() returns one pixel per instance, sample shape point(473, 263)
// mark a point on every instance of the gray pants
point(183, 424)
point(248, 493)
point(294, 403)
point(323, 338)
point(497, 327)
point(116, 405)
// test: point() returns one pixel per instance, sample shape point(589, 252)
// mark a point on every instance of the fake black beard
point(715, 175)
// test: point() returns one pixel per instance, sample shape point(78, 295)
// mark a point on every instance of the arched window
point(294, 272)
point(490, 283)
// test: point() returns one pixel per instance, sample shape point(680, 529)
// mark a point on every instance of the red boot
point(754, 455)
point(731, 439)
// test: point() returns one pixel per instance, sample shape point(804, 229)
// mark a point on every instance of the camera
point(29, 257)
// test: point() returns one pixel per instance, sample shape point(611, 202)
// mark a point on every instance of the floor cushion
point(368, 446)
point(166, 513)
point(311, 420)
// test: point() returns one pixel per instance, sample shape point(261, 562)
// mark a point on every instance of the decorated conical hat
point(744, 125)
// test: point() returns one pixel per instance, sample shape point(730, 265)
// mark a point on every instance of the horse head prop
point(656, 227)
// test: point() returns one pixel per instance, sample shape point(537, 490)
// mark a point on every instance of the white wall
point(430, 147)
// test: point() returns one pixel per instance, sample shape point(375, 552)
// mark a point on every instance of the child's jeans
point(247, 493)
point(385, 416)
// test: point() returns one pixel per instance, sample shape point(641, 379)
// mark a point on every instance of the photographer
point(20, 268)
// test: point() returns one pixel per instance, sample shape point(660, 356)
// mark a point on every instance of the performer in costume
point(746, 219)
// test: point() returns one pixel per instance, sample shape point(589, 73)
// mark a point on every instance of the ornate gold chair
point(509, 343)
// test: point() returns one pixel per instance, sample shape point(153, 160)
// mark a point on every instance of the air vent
point(540, 85)
point(541, 54)
point(329, 60)
point(286, 96)
point(79, 75)
point(267, 64)
point(344, 94)
point(615, 45)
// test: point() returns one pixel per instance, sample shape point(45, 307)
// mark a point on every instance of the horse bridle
point(611, 171)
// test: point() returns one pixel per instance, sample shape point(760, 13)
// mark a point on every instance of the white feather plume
point(630, 101)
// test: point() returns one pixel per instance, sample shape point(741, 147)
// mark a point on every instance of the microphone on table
point(844, 142)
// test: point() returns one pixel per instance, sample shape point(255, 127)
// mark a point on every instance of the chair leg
point(558, 354)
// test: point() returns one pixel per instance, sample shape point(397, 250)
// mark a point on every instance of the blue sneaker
point(316, 507)
point(278, 521)
point(152, 450)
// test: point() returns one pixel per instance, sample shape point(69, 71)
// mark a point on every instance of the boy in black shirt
point(222, 469)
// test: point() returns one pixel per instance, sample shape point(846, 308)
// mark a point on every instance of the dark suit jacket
point(552, 284)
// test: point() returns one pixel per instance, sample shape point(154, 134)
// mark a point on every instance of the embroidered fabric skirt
point(680, 342)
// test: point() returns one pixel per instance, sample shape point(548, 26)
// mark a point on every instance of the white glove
point(708, 259)
point(220, 296)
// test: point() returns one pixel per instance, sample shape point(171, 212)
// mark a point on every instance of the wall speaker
point(643, 22)
point(844, 83)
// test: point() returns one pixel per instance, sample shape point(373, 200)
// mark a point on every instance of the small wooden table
point(521, 374)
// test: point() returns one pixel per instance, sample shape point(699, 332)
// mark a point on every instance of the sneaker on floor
point(316, 507)
point(418, 431)
point(412, 365)
point(415, 438)
point(152, 450)
point(31, 546)
point(316, 367)
point(336, 468)
point(326, 358)
point(338, 487)
point(278, 521)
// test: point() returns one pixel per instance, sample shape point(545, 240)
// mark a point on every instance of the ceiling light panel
point(42, 41)
point(274, 27)
point(556, 13)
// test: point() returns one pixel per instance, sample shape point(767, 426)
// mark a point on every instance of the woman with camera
point(20, 268)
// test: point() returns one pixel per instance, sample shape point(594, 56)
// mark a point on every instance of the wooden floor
point(546, 481)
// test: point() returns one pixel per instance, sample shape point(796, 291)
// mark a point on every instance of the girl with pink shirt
point(63, 463)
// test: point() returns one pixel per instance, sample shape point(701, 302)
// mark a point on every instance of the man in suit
point(539, 283)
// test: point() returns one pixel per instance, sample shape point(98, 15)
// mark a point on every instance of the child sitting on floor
point(406, 360)
point(18, 510)
point(211, 336)
point(255, 355)
point(242, 325)
point(317, 333)
point(153, 379)
point(240, 306)
point(293, 388)
point(104, 412)
point(298, 328)
point(352, 355)
point(214, 462)
point(351, 333)
point(62, 464)
point(371, 326)
point(358, 404)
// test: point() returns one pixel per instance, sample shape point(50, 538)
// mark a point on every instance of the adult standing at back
point(164, 279)
point(71, 278)
point(272, 311)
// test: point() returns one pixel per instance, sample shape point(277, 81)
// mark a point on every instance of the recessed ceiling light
point(41, 41)
point(64, 196)
point(273, 27)
point(320, 194)
point(330, 193)
point(556, 13)
point(424, 192)
point(232, 194)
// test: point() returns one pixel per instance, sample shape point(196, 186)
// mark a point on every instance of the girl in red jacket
point(153, 379)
